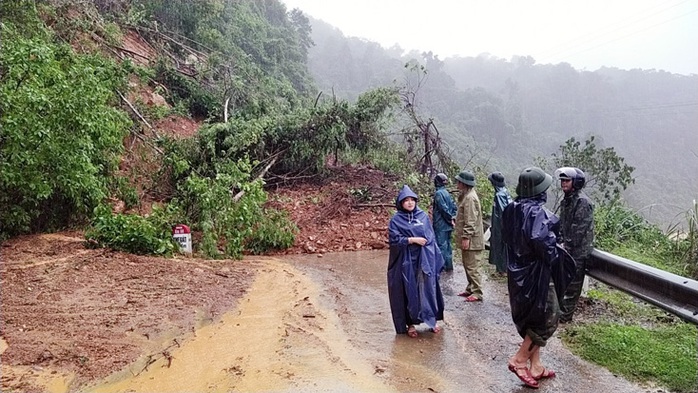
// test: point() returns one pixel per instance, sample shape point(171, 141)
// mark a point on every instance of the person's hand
point(453, 222)
point(418, 240)
point(465, 244)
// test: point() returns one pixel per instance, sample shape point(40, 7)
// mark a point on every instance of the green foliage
point(130, 233)
point(623, 232)
point(187, 92)
point(485, 191)
point(274, 232)
point(616, 224)
point(121, 189)
point(666, 355)
point(60, 137)
point(687, 240)
point(621, 306)
point(607, 174)
point(209, 205)
point(368, 117)
point(21, 13)
point(248, 52)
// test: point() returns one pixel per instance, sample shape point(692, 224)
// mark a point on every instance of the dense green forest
point(238, 66)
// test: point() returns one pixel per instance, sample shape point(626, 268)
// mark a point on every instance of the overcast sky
point(627, 34)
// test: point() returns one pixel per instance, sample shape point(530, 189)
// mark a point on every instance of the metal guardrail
point(670, 292)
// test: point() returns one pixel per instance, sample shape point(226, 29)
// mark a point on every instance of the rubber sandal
point(412, 332)
point(526, 378)
point(472, 298)
point(547, 373)
point(436, 329)
point(465, 294)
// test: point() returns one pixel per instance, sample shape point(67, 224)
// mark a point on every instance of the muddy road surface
point(110, 322)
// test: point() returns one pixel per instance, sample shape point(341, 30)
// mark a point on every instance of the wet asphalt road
point(469, 356)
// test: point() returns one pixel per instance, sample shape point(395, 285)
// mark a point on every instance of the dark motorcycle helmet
point(575, 174)
point(440, 179)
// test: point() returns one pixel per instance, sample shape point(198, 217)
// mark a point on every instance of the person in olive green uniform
point(468, 233)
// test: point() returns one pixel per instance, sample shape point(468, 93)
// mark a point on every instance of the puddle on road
point(278, 339)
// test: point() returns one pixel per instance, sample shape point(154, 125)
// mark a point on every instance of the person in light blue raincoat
point(414, 264)
point(444, 217)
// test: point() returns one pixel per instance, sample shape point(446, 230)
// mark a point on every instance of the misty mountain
point(502, 114)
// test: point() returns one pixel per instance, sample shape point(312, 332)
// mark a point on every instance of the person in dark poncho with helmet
point(577, 233)
point(414, 265)
point(538, 272)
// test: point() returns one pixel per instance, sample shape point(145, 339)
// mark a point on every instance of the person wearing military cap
point(577, 232)
point(498, 251)
point(468, 233)
point(538, 272)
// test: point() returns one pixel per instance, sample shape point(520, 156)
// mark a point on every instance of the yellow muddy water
point(279, 339)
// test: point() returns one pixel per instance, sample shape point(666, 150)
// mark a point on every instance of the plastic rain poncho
point(534, 261)
point(413, 270)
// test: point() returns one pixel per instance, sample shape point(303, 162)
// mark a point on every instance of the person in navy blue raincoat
point(414, 265)
point(538, 270)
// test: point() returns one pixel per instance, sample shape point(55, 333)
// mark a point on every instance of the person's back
point(538, 270)
point(528, 228)
point(498, 251)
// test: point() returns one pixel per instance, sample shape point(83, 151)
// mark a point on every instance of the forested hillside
point(92, 97)
point(93, 92)
point(502, 114)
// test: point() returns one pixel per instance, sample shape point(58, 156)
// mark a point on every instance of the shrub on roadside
point(275, 232)
point(130, 233)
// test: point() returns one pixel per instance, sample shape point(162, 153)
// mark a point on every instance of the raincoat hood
point(413, 270)
point(405, 192)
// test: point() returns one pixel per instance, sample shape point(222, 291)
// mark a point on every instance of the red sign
point(181, 229)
